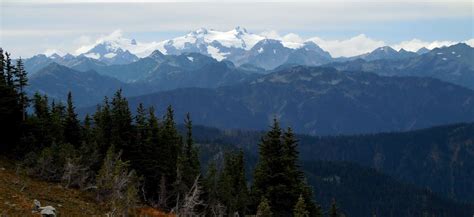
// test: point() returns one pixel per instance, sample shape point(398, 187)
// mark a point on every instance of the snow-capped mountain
point(217, 44)
point(110, 53)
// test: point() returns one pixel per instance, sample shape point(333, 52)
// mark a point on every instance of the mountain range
point(236, 45)
point(322, 101)
point(453, 64)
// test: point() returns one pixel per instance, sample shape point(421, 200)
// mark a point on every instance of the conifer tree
point(264, 209)
point(122, 130)
point(188, 161)
point(9, 71)
point(58, 117)
point(277, 175)
point(169, 146)
point(270, 178)
point(140, 121)
point(87, 132)
point(300, 208)
point(103, 127)
point(72, 127)
point(212, 194)
point(21, 82)
point(10, 110)
point(232, 184)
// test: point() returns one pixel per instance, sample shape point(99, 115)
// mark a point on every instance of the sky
point(344, 28)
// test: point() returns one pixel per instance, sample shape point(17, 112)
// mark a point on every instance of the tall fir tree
point(72, 127)
point(9, 70)
point(10, 116)
point(58, 117)
point(188, 168)
point(233, 189)
point(270, 178)
point(169, 146)
point(212, 194)
point(103, 127)
point(277, 175)
point(20, 82)
point(122, 130)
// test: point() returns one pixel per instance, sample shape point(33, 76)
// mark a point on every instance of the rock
point(48, 211)
point(45, 211)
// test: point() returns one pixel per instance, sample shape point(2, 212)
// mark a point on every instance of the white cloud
point(416, 44)
point(470, 42)
point(348, 47)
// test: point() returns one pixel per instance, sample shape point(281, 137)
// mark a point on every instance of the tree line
point(130, 159)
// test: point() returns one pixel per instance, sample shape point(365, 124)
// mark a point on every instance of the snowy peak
point(217, 44)
point(111, 53)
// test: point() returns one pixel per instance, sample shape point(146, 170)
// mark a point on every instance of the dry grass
point(17, 193)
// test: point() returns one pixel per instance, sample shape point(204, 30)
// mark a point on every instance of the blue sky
point(29, 27)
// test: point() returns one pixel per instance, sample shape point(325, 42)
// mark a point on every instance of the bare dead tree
point(191, 201)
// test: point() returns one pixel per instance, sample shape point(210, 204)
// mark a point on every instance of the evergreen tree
point(122, 130)
point(277, 175)
point(300, 208)
point(58, 117)
point(188, 167)
point(10, 110)
point(41, 123)
point(72, 127)
point(212, 194)
point(169, 146)
point(103, 127)
point(21, 83)
point(233, 185)
point(87, 132)
point(270, 178)
point(141, 125)
point(9, 71)
point(264, 209)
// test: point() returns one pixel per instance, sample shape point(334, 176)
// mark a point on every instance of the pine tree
point(264, 209)
point(21, 83)
point(58, 117)
point(150, 163)
point(9, 71)
point(72, 127)
point(10, 110)
point(334, 210)
point(297, 180)
point(141, 125)
point(103, 127)
point(270, 178)
point(188, 162)
point(212, 194)
point(169, 146)
point(232, 184)
point(122, 130)
point(300, 208)
point(277, 175)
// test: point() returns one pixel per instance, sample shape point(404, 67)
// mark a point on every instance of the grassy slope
point(17, 193)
